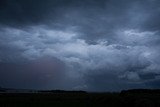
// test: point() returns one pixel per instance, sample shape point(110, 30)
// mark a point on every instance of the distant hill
point(141, 91)
point(11, 90)
point(122, 93)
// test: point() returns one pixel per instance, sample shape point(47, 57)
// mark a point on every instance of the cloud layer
point(92, 45)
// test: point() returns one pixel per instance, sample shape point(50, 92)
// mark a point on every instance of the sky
point(91, 45)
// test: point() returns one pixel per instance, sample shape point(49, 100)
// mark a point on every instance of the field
point(125, 99)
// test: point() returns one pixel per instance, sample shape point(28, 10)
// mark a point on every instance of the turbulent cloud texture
point(89, 45)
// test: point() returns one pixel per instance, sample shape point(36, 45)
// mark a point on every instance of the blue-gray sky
point(93, 45)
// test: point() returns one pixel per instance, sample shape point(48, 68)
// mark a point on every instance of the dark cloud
point(153, 84)
point(96, 45)
point(42, 73)
point(27, 12)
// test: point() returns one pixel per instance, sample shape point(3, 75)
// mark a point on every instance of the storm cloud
point(91, 45)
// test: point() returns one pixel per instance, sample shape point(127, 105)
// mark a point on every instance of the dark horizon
point(92, 45)
point(56, 91)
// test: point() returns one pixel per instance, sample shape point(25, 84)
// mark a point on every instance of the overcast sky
point(92, 45)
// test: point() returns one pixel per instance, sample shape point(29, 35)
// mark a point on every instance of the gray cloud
point(96, 45)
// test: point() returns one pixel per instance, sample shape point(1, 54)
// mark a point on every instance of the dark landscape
point(61, 98)
point(79, 53)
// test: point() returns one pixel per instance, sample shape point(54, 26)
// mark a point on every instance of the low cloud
point(125, 60)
